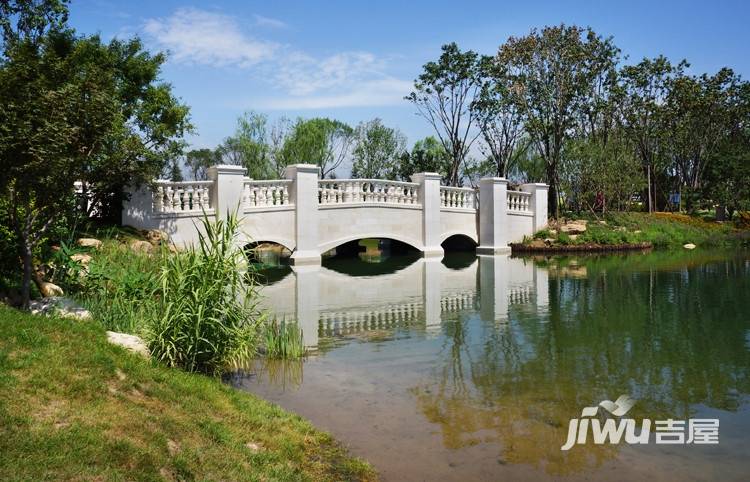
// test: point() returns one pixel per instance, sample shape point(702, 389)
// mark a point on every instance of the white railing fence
point(176, 197)
point(519, 201)
point(458, 197)
point(266, 193)
point(341, 191)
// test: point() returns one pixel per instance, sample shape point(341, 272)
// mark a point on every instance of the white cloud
point(262, 21)
point(372, 93)
point(195, 36)
point(344, 79)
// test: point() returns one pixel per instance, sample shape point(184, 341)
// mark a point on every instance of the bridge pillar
point(538, 204)
point(304, 195)
point(226, 192)
point(429, 198)
point(493, 218)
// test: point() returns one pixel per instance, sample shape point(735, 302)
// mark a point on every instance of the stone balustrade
point(352, 191)
point(259, 194)
point(180, 197)
point(310, 216)
point(519, 201)
point(458, 197)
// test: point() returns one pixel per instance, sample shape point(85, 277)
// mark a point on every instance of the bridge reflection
point(328, 303)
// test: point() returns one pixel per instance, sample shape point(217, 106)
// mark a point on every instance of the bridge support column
point(493, 218)
point(304, 195)
point(226, 192)
point(429, 197)
point(538, 204)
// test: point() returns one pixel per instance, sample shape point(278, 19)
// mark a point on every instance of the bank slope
point(73, 406)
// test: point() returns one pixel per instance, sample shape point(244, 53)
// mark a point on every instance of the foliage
point(444, 94)
point(75, 109)
point(377, 149)
point(559, 76)
point(427, 155)
point(498, 118)
point(205, 317)
point(198, 161)
point(283, 340)
point(320, 141)
point(248, 146)
point(73, 406)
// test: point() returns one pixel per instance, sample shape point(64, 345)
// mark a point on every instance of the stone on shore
point(140, 246)
point(129, 342)
point(81, 258)
point(89, 243)
point(48, 289)
point(574, 227)
point(59, 306)
point(688, 246)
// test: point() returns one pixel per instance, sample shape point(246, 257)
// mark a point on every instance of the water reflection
point(327, 302)
point(471, 368)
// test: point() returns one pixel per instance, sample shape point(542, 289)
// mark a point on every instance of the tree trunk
point(27, 269)
point(552, 195)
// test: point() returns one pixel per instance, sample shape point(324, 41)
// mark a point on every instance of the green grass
point(73, 406)
point(283, 340)
point(661, 230)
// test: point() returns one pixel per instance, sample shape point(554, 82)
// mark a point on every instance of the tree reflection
point(672, 338)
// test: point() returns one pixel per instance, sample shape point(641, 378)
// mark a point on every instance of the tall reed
point(207, 318)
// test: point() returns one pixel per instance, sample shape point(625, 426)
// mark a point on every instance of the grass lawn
point(72, 406)
point(660, 230)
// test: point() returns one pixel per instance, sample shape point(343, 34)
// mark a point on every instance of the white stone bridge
point(310, 216)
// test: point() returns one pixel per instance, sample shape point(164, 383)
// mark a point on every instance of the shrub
point(206, 318)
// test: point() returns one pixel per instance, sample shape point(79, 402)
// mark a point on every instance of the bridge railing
point(179, 197)
point(345, 191)
point(458, 197)
point(519, 202)
point(260, 194)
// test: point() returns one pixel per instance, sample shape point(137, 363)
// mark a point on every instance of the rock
point(254, 447)
point(59, 306)
point(82, 258)
point(688, 246)
point(141, 246)
point(553, 232)
point(89, 243)
point(603, 222)
point(574, 236)
point(549, 241)
point(50, 289)
point(129, 342)
point(156, 236)
point(574, 227)
point(537, 243)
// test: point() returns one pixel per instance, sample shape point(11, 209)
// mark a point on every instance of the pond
point(471, 368)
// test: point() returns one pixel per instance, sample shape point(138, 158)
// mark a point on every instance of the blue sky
point(356, 60)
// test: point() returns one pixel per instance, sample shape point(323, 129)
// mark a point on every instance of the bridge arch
point(353, 237)
point(450, 234)
point(248, 240)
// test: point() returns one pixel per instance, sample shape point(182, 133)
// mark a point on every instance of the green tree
point(321, 141)
point(698, 119)
point(198, 161)
point(377, 149)
point(249, 147)
point(498, 118)
point(427, 155)
point(642, 93)
point(74, 109)
point(553, 74)
point(444, 94)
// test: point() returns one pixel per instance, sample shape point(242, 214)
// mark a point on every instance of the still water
point(471, 368)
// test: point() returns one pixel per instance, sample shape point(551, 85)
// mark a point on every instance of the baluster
point(159, 199)
point(246, 193)
point(284, 194)
point(171, 199)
